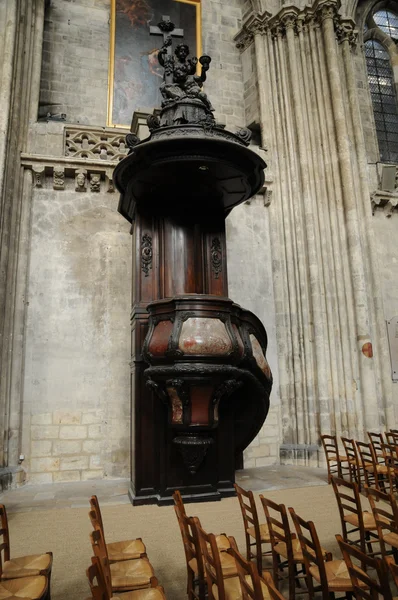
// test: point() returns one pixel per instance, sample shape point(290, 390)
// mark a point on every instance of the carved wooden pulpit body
point(200, 380)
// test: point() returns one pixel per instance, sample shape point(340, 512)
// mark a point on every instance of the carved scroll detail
point(216, 257)
point(146, 254)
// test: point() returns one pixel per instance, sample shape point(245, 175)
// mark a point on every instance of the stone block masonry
point(65, 447)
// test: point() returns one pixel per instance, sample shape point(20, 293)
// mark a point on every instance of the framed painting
point(134, 72)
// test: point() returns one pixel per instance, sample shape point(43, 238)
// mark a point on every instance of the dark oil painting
point(137, 73)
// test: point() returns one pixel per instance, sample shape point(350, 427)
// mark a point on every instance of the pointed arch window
point(381, 30)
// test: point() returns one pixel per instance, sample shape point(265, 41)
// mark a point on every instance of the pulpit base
point(188, 495)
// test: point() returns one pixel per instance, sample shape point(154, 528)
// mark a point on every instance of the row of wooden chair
point(119, 567)
point(303, 547)
point(216, 569)
point(26, 577)
point(374, 464)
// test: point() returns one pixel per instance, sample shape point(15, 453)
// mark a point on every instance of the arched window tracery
point(380, 34)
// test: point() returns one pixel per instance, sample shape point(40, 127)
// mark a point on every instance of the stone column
point(21, 30)
point(327, 321)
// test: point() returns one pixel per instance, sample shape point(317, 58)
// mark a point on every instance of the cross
point(166, 28)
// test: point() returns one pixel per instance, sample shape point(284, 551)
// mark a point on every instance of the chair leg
point(292, 581)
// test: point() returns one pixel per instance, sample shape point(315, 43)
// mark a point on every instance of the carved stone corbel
point(38, 175)
point(59, 178)
point(80, 180)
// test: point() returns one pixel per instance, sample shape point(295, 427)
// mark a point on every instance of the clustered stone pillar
point(21, 34)
point(332, 345)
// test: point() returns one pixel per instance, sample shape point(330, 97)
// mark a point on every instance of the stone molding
point(89, 174)
point(385, 201)
point(291, 17)
point(97, 143)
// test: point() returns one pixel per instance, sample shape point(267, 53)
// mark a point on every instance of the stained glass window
point(388, 22)
point(384, 100)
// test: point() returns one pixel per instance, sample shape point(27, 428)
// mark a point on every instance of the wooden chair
point(196, 581)
point(253, 529)
point(125, 575)
point(376, 439)
point(100, 589)
point(21, 566)
point(249, 585)
point(273, 593)
point(28, 588)
point(373, 472)
point(221, 538)
point(354, 470)
point(332, 575)
point(118, 551)
point(390, 455)
point(385, 513)
point(212, 564)
point(284, 544)
point(351, 514)
point(334, 460)
point(363, 584)
point(392, 437)
point(393, 568)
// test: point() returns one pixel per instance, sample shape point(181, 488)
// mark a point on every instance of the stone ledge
point(299, 454)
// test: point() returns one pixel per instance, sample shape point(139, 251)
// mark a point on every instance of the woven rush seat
point(126, 550)
point(29, 588)
point(368, 520)
point(339, 457)
point(131, 574)
point(281, 549)
point(337, 575)
point(227, 564)
point(233, 590)
point(391, 538)
point(264, 532)
point(27, 566)
point(222, 542)
point(147, 594)
point(380, 469)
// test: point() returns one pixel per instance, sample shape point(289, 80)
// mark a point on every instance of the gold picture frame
point(111, 69)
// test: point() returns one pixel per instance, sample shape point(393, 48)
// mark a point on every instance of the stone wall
point(76, 392)
point(75, 64)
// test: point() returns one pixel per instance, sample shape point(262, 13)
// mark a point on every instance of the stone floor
point(114, 491)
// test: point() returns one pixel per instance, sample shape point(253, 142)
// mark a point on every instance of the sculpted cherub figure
point(180, 79)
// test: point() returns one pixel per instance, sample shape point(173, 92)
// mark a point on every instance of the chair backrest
point(312, 553)
point(371, 587)
point(190, 539)
point(350, 449)
point(376, 439)
point(96, 580)
point(249, 509)
point(349, 502)
point(353, 459)
point(278, 525)
point(385, 513)
point(368, 459)
point(179, 502)
point(211, 562)
point(392, 437)
point(249, 578)
point(5, 535)
point(330, 446)
point(269, 582)
point(100, 551)
point(96, 508)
